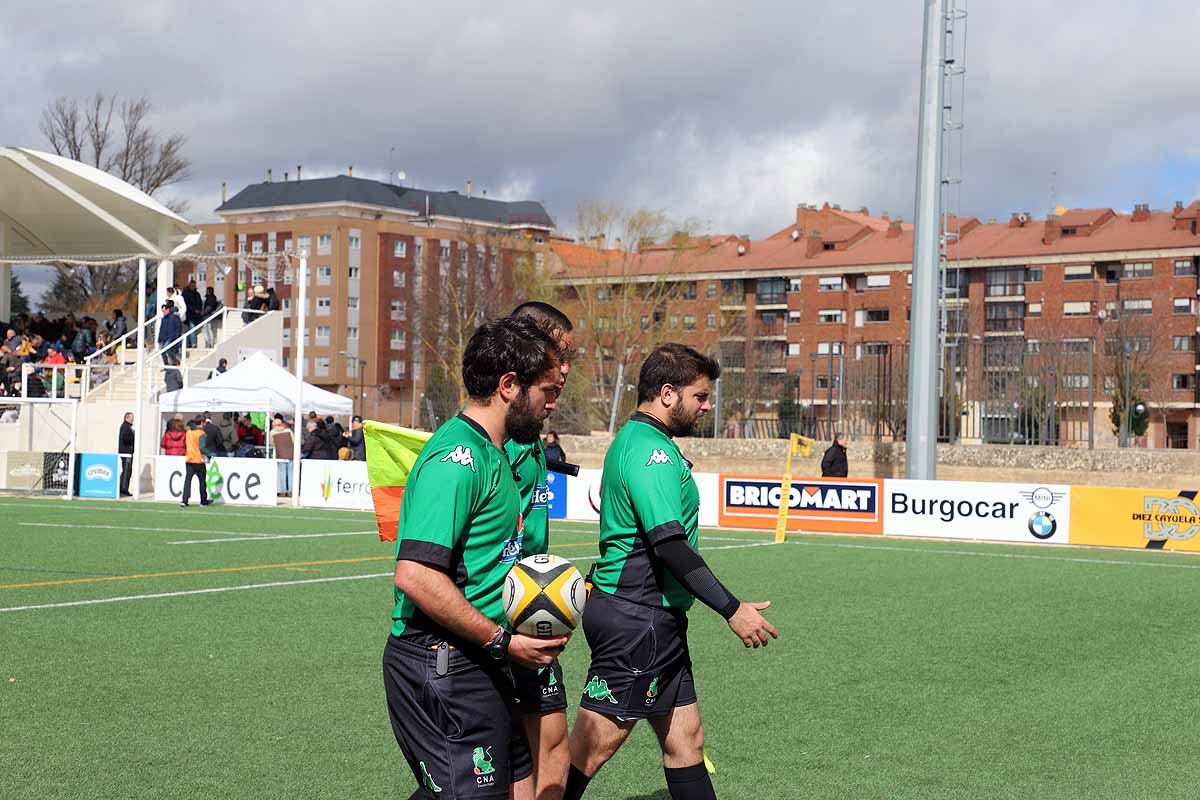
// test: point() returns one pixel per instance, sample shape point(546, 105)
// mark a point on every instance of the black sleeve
point(827, 461)
point(686, 564)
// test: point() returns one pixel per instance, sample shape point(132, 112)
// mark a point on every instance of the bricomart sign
point(826, 504)
point(1154, 519)
point(1002, 512)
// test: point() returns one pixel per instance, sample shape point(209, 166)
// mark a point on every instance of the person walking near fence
point(125, 453)
point(284, 447)
point(835, 464)
point(195, 465)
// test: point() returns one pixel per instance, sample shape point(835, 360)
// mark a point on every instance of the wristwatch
point(497, 646)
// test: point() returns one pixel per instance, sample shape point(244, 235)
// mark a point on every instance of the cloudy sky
point(727, 113)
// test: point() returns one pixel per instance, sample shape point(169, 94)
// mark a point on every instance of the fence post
point(1092, 396)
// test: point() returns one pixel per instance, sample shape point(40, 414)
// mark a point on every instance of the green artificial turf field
point(240, 659)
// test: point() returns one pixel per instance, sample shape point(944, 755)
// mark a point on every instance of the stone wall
point(1171, 469)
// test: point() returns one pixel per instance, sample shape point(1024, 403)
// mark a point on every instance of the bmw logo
point(1043, 525)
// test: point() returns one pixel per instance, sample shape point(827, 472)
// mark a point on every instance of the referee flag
point(391, 453)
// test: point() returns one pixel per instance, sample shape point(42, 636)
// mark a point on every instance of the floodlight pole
point(141, 365)
point(921, 435)
point(298, 331)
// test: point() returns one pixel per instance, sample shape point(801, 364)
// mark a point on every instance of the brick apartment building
point(832, 289)
point(382, 258)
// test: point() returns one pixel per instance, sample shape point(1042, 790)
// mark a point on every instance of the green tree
point(20, 303)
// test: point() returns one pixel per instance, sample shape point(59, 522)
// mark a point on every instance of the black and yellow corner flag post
point(797, 446)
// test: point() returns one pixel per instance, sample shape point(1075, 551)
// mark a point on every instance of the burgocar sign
point(1003, 512)
point(825, 504)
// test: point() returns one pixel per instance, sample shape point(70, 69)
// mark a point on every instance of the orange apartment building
point(1090, 283)
point(381, 257)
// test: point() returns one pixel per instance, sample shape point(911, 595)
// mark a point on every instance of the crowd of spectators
point(38, 339)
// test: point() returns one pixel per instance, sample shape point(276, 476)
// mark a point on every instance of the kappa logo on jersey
point(461, 455)
point(597, 689)
point(659, 457)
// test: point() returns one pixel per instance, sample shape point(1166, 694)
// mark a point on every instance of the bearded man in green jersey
point(446, 663)
point(541, 694)
point(648, 574)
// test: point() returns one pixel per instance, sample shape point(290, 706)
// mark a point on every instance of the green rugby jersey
point(461, 514)
point(529, 468)
point(647, 494)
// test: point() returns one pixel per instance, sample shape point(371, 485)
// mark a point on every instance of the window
point(351, 333)
point(399, 278)
point(1077, 345)
point(1005, 281)
point(1078, 273)
point(324, 276)
point(324, 244)
point(1131, 344)
point(304, 247)
point(1110, 383)
point(732, 292)
point(417, 250)
point(1138, 269)
point(1004, 317)
point(1033, 346)
point(256, 247)
point(908, 278)
point(1184, 268)
point(219, 243)
point(831, 316)
point(398, 340)
point(539, 239)
point(1076, 381)
point(1185, 381)
point(287, 304)
point(674, 322)
point(396, 369)
point(711, 292)
point(711, 321)
point(400, 249)
point(824, 381)
point(324, 306)
point(1033, 310)
point(399, 310)
point(354, 241)
point(689, 322)
point(444, 252)
point(770, 291)
point(353, 272)
point(793, 318)
point(322, 334)
point(1079, 309)
point(352, 303)
point(321, 366)
point(1183, 344)
point(794, 284)
point(287, 245)
point(878, 315)
point(287, 278)
point(1033, 274)
point(689, 290)
point(879, 281)
point(604, 294)
point(1137, 306)
point(1185, 305)
point(834, 284)
point(825, 348)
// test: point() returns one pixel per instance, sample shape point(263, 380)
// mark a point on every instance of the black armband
point(686, 564)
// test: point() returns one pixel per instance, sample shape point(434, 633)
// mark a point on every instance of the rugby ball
point(544, 596)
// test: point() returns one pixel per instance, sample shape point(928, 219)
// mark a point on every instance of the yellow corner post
point(801, 446)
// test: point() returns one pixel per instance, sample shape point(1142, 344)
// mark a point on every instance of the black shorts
point(640, 666)
point(540, 691)
point(457, 730)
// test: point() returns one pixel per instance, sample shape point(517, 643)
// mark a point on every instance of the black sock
point(577, 783)
point(690, 783)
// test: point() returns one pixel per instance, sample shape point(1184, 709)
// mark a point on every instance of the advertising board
point(583, 497)
point(24, 470)
point(837, 505)
point(335, 484)
point(1002, 512)
point(231, 481)
point(97, 475)
point(1154, 519)
point(555, 494)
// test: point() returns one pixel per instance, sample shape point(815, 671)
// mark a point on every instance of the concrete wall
point(1100, 467)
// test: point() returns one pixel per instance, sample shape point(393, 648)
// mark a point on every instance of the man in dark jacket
point(194, 305)
point(355, 440)
point(835, 464)
point(170, 328)
point(125, 453)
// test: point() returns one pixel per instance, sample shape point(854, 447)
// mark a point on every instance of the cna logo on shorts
point(98, 472)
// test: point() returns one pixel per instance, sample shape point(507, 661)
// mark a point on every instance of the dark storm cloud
point(727, 112)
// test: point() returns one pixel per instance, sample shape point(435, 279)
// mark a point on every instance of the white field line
point(266, 537)
point(151, 530)
point(271, 585)
point(91, 506)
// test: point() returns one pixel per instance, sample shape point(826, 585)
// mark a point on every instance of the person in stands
point(174, 441)
point(553, 449)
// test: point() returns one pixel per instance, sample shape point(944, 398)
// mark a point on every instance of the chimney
point(285, 176)
point(468, 188)
point(268, 174)
point(1053, 229)
point(350, 171)
point(864, 211)
point(895, 229)
point(297, 172)
point(1141, 212)
point(884, 216)
point(813, 245)
point(1178, 206)
point(222, 192)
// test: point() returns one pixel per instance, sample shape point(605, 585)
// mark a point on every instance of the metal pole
point(1091, 396)
point(1125, 401)
point(141, 364)
point(829, 394)
point(921, 435)
point(812, 392)
point(616, 401)
point(298, 351)
point(717, 409)
point(71, 456)
point(842, 388)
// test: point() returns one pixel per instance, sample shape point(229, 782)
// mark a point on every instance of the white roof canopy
point(52, 207)
point(256, 384)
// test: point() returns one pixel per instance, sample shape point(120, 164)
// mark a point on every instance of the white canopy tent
point(256, 384)
point(56, 209)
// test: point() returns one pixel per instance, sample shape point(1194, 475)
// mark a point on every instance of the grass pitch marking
point(150, 530)
point(250, 537)
point(89, 506)
point(1113, 562)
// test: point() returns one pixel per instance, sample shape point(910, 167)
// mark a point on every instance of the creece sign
point(841, 505)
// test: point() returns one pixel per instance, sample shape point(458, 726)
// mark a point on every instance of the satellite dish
point(795, 235)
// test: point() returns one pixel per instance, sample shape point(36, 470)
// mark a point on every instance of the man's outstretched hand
point(749, 625)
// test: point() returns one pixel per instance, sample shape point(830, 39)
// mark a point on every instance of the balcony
point(1004, 325)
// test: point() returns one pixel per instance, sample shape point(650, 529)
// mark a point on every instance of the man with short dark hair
point(125, 442)
point(446, 661)
point(647, 576)
point(834, 463)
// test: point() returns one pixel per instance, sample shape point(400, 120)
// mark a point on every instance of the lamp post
point(358, 373)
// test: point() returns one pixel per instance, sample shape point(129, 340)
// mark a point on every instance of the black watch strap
point(497, 647)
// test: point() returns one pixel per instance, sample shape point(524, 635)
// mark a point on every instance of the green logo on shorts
point(553, 680)
point(652, 692)
point(597, 689)
point(483, 761)
point(427, 780)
